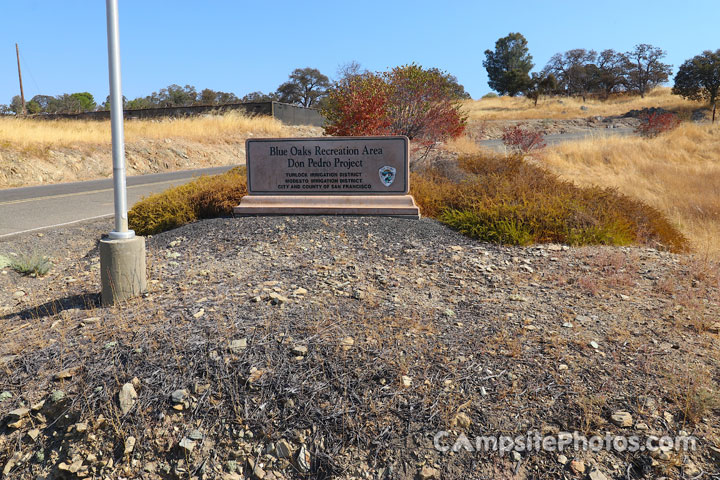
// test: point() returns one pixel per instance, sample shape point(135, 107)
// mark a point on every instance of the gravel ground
point(335, 347)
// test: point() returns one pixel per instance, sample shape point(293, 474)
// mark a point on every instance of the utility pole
point(22, 94)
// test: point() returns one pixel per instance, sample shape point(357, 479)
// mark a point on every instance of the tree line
point(580, 72)
point(306, 87)
point(576, 72)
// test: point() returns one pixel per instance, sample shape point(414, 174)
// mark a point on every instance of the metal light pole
point(122, 254)
point(116, 123)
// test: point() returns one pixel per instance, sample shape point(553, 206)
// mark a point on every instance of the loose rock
point(127, 398)
point(622, 419)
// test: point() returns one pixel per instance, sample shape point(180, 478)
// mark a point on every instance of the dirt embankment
point(21, 167)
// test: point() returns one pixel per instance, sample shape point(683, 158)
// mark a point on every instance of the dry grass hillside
point(31, 134)
point(518, 108)
point(678, 173)
point(35, 152)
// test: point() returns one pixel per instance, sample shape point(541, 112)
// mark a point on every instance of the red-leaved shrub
point(407, 100)
point(656, 123)
point(521, 141)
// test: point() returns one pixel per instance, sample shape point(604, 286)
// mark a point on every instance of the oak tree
point(699, 79)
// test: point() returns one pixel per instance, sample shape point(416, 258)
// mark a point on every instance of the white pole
point(116, 121)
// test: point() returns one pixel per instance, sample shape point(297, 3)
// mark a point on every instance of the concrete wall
point(294, 115)
point(286, 113)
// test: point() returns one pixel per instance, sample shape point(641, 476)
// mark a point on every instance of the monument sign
point(328, 175)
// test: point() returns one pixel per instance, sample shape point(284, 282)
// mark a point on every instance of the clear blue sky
point(244, 46)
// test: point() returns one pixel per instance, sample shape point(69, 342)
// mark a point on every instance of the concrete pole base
point(122, 269)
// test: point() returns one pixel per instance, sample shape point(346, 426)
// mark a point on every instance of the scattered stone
point(18, 414)
point(300, 291)
point(19, 294)
point(406, 381)
point(568, 325)
point(283, 449)
point(577, 466)
point(179, 396)
point(256, 469)
point(449, 312)
point(518, 298)
point(690, 469)
point(594, 345)
point(127, 398)
point(622, 419)
point(187, 444)
point(11, 464)
point(303, 460)
point(81, 427)
point(277, 299)
point(67, 373)
point(597, 475)
point(429, 473)
point(129, 444)
point(714, 328)
point(255, 374)
point(5, 396)
point(562, 367)
point(34, 434)
point(196, 435)
point(300, 350)
point(461, 420)
point(516, 456)
point(642, 426)
point(562, 459)
point(669, 418)
point(347, 343)
point(199, 313)
point(238, 345)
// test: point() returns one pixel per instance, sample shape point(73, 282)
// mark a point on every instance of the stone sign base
point(391, 205)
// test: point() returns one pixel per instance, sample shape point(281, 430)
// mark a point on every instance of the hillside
point(34, 152)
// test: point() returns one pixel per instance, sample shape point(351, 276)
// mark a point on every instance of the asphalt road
point(556, 138)
point(46, 206)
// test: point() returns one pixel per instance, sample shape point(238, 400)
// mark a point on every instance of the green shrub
point(206, 197)
point(490, 95)
point(28, 264)
point(506, 200)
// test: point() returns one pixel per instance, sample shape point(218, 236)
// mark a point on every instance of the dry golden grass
point(677, 173)
point(29, 133)
point(462, 145)
point(520, 108)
